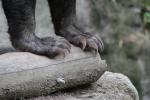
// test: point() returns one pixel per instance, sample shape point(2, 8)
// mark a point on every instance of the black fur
point(20, 16)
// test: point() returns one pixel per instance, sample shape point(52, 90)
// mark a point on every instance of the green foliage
point(146, 3)
point(147, 17)
point(131, 51)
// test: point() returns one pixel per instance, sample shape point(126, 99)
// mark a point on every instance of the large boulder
point(111, 86)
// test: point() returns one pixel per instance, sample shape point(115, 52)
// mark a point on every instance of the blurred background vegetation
point(124, 27)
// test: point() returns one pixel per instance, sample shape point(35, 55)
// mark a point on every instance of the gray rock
point(28, 75)
point(111, 86)
point(116, 87)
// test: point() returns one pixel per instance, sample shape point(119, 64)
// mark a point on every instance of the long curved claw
point(60, 51)
point(83, 42)
point(92, 46)
point(55, 47)
point(99, 43)
point(80, 41)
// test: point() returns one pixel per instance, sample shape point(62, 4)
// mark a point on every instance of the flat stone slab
point(110, 86)
point(25, 74)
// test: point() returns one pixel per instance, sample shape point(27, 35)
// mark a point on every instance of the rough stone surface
point(23, 74)
point(111, 86)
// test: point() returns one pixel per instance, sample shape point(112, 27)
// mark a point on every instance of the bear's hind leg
point(20, 16)
point(65, 23)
